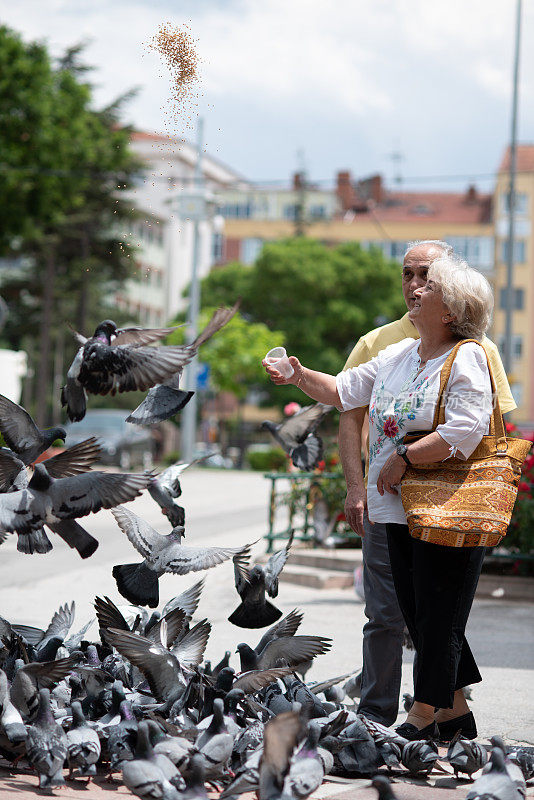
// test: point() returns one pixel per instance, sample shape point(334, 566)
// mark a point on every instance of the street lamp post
point(197, 213)
point(511, 202)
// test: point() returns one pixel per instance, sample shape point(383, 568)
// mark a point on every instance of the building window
point(317, 212)
point(517, 346)
point(520, 251)
point(476, 250)
point(250, 250)
point(235, 210)
point(217, 242)
point(290, 211)
point(521, 203)
point(518, 299)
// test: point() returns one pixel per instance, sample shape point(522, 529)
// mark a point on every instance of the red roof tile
point(446, 207)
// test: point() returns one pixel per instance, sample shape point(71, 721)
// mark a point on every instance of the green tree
point(322, 298)
point(65, 166)
point(235, 353)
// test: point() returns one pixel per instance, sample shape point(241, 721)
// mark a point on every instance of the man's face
point(415, 270)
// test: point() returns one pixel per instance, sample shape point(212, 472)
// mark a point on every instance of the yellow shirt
point(376, 340)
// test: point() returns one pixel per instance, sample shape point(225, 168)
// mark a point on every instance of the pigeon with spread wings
point(166, 399)
point(255, 611)
point(298, 437)
point(114, 360)
point(139, 583)
point(59, 502)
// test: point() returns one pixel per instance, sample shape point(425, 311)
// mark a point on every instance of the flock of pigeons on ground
point(139, 698)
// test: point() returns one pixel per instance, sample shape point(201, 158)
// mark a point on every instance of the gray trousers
point(382, 633)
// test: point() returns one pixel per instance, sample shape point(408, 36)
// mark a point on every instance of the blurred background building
point(366, 211)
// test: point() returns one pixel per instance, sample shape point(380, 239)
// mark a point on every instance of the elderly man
point(384, 631)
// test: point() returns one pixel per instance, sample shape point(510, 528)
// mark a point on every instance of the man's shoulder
point(391, 333)
point(370, 344)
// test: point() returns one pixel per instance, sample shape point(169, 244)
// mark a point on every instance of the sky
point(328, 86)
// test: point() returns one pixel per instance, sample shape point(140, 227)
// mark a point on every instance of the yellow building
point(522, 372)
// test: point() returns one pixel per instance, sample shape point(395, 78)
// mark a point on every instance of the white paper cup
point(277, 357)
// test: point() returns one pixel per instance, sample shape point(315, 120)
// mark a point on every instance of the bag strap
point(497, 428)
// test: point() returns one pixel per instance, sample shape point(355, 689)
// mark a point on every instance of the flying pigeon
point(115, 360)
point(164, 400)
point(138, 583)
point(58, 502)
point(297, 435)
point(165, 489)
point(22, 435)
point(255, 611)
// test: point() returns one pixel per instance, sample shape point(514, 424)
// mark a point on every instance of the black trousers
point(435, 587)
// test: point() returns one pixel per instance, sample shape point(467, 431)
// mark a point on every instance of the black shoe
point(465, 724)
point(410, 732)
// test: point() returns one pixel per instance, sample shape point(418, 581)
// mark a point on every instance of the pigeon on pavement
point(59, 501)
point(280, 739)
point(83, 744)
point(466, 756)
point(115, 360)
point(46, 745)
point(495, 783)
point(255, 611)
point(165, 399)
point(297, 435)
point(138, 583)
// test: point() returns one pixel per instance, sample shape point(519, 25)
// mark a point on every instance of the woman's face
point(429, 310)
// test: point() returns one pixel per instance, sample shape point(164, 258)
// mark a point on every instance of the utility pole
point(301, 186)
point(511, 202)
point(189, 414)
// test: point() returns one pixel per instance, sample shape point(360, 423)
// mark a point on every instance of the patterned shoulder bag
point(465, 503)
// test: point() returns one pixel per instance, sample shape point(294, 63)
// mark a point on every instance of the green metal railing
point(304, 529)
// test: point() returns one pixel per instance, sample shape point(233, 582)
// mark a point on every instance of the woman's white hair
point(466, 293)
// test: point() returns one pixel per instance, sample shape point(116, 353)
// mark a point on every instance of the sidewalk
point(231, 509)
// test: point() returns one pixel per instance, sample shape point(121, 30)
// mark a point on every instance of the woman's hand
point(278, 378)
point(391, 474)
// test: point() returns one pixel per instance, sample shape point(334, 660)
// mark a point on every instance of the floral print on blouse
point(388, 415)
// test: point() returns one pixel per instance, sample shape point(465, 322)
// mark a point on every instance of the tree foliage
point(235, 353)
point(323, 299)
point(65, 167)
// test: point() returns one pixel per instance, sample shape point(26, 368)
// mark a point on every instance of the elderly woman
point(435, 584)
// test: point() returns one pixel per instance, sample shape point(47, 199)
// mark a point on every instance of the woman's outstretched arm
point(317, 385)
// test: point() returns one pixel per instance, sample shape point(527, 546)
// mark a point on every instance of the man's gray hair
point(446, 248)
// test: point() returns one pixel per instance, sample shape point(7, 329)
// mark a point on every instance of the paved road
point(231, 508)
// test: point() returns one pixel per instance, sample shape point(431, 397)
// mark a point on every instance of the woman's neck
point(434, 344)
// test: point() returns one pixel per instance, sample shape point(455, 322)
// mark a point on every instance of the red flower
point(321, 465)
point(510, 427)
point(341, 517)
point(335, 460)
point(291, 408)
point(529, 462)
point(391, 428)
point(523, 487)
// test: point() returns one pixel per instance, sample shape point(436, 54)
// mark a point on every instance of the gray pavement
point(225, 507)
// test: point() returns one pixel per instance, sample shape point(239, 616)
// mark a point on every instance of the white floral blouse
point(402, 398)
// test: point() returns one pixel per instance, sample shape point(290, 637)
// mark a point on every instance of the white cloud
point(371, 63)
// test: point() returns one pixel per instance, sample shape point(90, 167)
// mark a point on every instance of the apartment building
point(166, 199)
